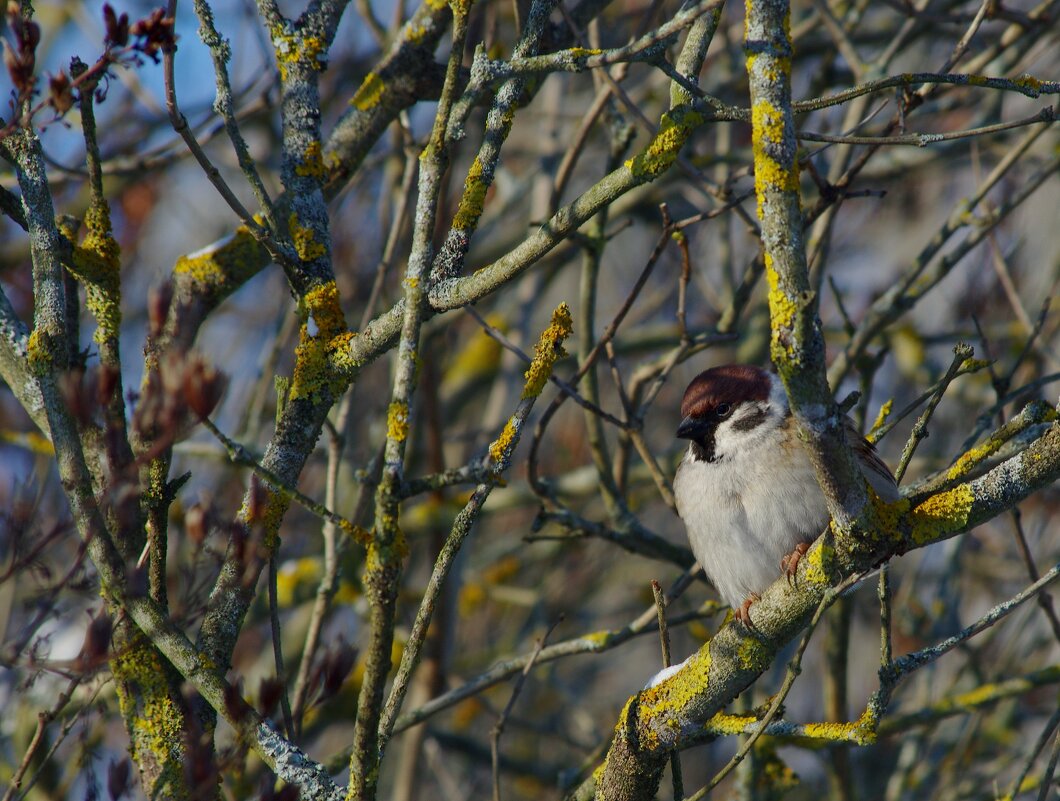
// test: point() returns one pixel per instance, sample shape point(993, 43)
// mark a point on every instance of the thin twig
point(565, 388)
point(498, 727)
point(1045, 600)
point(1039, 746)
point(1050, 769)
point(241, 456)
point(1046, 115)
point(43, 719)
point(664, 643)
point(277, 649)
point(961, 353)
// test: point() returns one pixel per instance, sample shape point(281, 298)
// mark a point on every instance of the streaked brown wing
point(875, 470)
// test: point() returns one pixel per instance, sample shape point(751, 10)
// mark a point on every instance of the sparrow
point(746, 489)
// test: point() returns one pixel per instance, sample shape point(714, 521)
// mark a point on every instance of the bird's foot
point(790, 563)
point(743, 614)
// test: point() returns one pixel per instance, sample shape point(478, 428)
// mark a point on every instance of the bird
point(746, 488)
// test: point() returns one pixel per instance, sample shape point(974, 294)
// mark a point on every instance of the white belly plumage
point(742, 520)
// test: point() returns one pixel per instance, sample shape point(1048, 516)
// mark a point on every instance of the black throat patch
point(703, 448)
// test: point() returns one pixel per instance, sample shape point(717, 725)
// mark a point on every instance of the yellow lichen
point(598, 639)
point(583, 52)
point(889, 516)
point(357, 533)
point(548, 349)
point(782, 309)
point(292, 49)
point(722, 723)
point(820, 563)
point(304, 239)
point(502, 445)
point(666, 699)
point(772, 69)
point(675, 128)
point(397, 421)
point(369, 92)
point(845, 732)
point(96, 262)
point(415, 33)
point(975, 456)
point(767, 131)
point(223, 267)
point(1028, 82)
point(323, 303)
point(38, 350)
point(753, 654)
point(267, 516)
point(470, 208)
point(154, 721)
point(312, 165)
point(881, 418)
point(320, 343)
point(941, 514)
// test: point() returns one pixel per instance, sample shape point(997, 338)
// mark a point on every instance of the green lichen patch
point(660, 154)
point(96, 263)
point(40, 351)
point(470, 208)
point(1030, 83)
point(154, 720)
point(753, 655)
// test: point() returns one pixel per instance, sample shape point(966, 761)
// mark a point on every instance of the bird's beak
point(691, 428)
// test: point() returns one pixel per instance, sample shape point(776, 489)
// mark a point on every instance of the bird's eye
point(722, 409)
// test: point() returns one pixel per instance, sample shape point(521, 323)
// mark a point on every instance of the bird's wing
point(876, 472)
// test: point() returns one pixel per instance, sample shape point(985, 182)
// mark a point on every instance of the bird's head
point(729, 408)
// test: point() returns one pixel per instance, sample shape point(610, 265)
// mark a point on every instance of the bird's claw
point(743, 614)
point(790, 563)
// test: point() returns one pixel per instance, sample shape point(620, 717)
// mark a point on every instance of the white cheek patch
point(749, 416)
